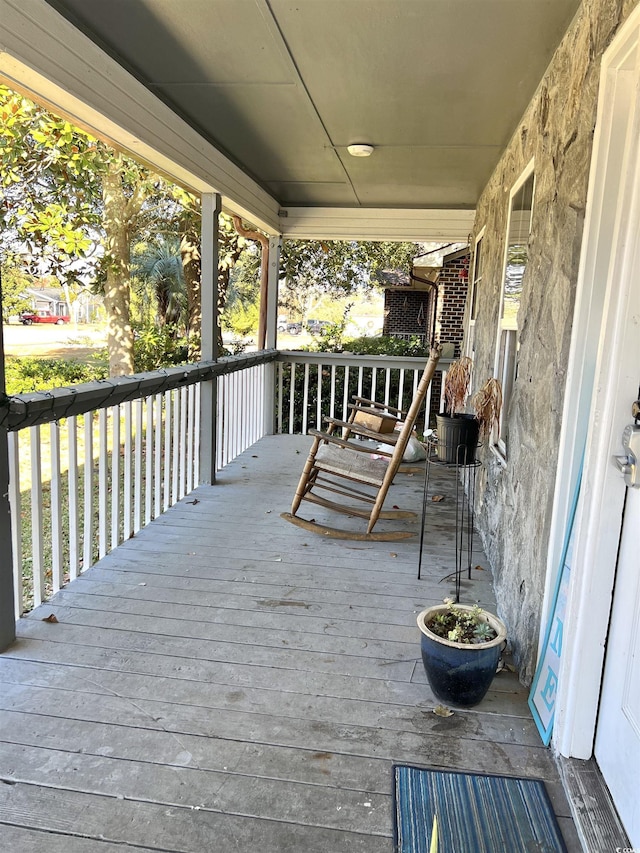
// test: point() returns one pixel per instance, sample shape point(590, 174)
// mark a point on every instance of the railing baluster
point(374, 382)
point(56, 506)
point(345, 394)
point(189, 439)
point(196, 438)
point(240, 410)
point(332, 395)
point(183, 439)
point(292, 398)
point(137, 468)
point(238, 413)
point(127, 482)
point(87, 527)
point(251, 409)
point(102, 483)
point(319, 399)
point(226, 414)
point(148, 460)
point(220, 427)
point(442, 384)
point(387, 385)
point(167, 449)
point(305, 399)
point(255, 404)
point(15, 503)
point(176, 446)
point(37, 557)
point(115, 476)
point(360, 380)
point(72, 481)
point(280, 374)
point(427, 409)
point(157, 459)
point(401, 389)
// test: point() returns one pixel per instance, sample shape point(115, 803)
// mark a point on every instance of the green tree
point(13, 283)
point(159, 267)
point(72, 201)
point(310, 269)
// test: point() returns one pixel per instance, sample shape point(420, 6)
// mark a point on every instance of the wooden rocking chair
point(345, 467)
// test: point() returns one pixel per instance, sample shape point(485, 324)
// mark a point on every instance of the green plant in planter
point(461, 625)
point(461, 646)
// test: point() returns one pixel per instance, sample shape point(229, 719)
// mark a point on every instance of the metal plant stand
point(465, 501)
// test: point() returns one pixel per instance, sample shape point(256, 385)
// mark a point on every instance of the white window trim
point(473, 283)
point(500, 447)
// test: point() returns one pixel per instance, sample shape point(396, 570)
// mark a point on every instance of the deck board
point(227, 681)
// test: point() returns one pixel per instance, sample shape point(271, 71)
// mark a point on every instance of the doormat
point(475, 812)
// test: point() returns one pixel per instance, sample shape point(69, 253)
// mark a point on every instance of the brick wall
point(407, 312)
point(453, 283)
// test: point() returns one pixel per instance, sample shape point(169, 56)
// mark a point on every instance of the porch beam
point(329, 223)
point(46, 57)
point(211, 206)
point(7, 615)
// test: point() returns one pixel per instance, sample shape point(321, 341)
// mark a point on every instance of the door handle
point(623, 464)
point(628, 464)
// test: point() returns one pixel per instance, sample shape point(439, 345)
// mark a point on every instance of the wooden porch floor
point(227, 682)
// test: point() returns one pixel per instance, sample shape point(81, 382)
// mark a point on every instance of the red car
point(29, 317)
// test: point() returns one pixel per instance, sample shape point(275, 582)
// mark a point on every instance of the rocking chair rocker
point(346, 468)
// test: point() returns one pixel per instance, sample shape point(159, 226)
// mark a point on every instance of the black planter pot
point(457, 438)
point(459, 673)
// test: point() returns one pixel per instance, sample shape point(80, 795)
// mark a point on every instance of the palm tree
point(159, 265)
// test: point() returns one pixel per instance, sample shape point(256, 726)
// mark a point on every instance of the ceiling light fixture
point(360, 150)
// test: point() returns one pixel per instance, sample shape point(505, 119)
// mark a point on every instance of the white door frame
point(593, 417)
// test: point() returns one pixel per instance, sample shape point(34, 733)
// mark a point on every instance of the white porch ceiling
point(283, 86)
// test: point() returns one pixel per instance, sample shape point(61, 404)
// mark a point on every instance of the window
point(516, 257)
point(476, 278)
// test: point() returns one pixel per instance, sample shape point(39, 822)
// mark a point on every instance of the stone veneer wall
point(515, 501)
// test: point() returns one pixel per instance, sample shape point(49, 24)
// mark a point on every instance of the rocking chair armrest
point(365, 432)
point(341, 442)
point(359, 401)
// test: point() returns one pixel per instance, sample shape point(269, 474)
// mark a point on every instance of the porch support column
point(7, 615)
point(211, 204)
point(275, 248)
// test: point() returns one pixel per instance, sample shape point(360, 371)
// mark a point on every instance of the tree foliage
point(71, 205)
point(158, 265)
point(13, 283)
point(51, 178)
point(311, 268)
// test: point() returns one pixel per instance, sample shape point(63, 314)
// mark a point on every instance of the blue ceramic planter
point(459, 673)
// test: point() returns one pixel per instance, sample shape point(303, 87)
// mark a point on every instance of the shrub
point(39, 374)
point(331, 341)
point(159, 347)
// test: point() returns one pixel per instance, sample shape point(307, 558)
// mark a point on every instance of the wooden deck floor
point(227, 682)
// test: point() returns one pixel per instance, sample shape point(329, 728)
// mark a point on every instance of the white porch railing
point(311, 386)
point(90, 466)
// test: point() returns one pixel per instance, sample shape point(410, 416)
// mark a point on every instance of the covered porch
point(224, 680)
